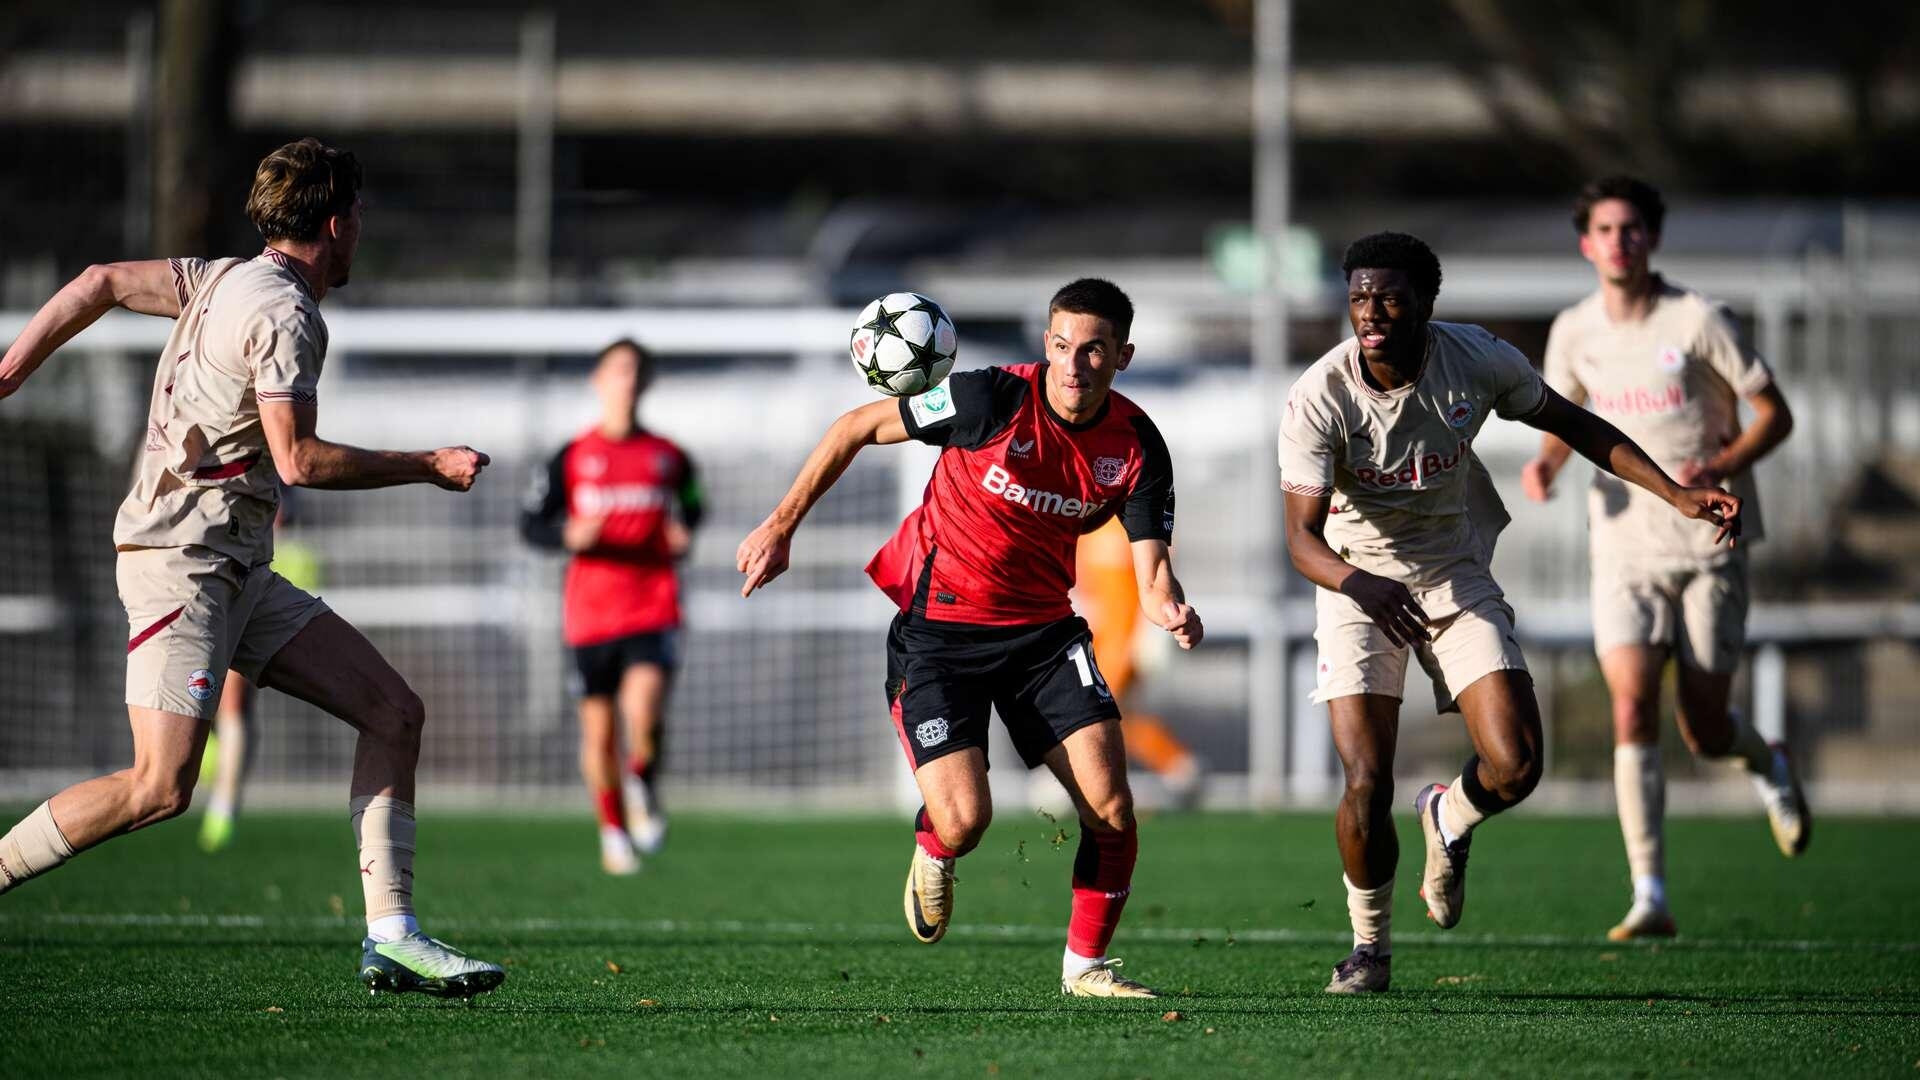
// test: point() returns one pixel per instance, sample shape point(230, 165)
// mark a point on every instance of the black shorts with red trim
point(942, 678)
point(598, 668)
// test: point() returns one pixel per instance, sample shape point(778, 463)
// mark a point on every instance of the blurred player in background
point(230, 745)
point(1105, 593)
point(1667, 367)
point(1393, 517)
point(1032, 457)
point(233, 415)
point(624, 502)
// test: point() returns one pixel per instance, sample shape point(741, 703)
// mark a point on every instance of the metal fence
point(780, 701)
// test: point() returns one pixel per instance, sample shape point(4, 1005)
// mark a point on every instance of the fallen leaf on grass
point(1609, 957)
point(1172, 1016)
point(613, 967)
point(647, 1003)
point(275, 1008)
point(1456, 980)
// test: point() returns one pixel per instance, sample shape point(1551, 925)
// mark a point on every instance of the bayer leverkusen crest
point(1107, 471)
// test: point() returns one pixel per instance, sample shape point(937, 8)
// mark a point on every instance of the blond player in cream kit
point(1389, 512)
point(1667, 366)
point(234, 408)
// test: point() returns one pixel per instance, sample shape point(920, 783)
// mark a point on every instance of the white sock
point(1371, 913)
point(1650, 889)
point(1640, 795)
point(34, 846)
point(392, 927)
point(1072, 963)
point(383, 829)
point(1457, 814)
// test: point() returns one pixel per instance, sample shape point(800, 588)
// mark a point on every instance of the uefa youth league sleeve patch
point(936, 406)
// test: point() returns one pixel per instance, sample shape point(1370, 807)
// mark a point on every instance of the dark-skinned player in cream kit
point(1393, 517)
point(1032, 457)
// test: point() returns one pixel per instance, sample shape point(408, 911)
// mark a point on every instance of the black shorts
point(597, 668)
point(942, 678)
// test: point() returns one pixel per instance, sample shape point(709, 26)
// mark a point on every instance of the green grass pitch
point(755, 948)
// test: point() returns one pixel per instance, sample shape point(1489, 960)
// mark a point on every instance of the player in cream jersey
point(1392, 515)
point(1666, 366)
point(234, 408)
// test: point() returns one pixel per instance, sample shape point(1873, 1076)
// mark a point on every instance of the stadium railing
point(779, 702)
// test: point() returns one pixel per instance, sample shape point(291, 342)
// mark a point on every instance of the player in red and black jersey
point(625, 502)
point(1032, 457)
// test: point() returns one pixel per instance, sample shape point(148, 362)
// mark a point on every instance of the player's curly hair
point(299, 186)
point(1643, 196)
point(1097, 297)
point(1396, 251)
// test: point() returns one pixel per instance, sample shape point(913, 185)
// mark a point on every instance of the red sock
point(1102, 877)
point(641, 767)
point(929, 840)
point(612, 813)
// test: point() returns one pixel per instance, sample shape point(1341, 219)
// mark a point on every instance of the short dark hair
point(644, 370)
point(1396, 251)
point(1644, 197)
point(299, 186)
point(1097, 297)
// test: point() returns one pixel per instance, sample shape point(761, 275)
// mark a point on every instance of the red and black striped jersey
point(624, 584)
point(993, 540)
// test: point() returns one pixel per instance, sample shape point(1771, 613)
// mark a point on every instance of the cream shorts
point(1698, 609)
point(193, 613)
point(1472, 637)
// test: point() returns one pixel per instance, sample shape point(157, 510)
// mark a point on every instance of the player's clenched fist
point(1536, 479)
point(762, 556)
point(1388, 603)
point(1183, 623)
point(457, 467)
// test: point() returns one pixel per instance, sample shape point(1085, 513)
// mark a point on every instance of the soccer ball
point(903, 344)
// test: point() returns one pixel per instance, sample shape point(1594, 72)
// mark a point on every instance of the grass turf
point(753, 948)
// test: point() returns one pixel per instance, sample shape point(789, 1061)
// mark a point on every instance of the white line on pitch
point(1222, 934)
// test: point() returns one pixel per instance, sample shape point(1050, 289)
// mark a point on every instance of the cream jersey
point(1672, 383)
point(1409, 499)
point(249, 330)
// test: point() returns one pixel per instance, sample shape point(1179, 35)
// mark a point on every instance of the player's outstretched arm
point(1161, 598)
point(1604, 445)
point(1387, 602)
point(146, 287)
point(762, 556)
point(306, 460)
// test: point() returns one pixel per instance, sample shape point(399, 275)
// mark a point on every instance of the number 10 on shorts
point(1089, 673)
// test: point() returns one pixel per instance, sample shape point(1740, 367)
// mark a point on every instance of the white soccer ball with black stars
point(903, 344)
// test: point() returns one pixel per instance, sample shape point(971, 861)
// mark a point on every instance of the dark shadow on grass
point(1659, 996)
